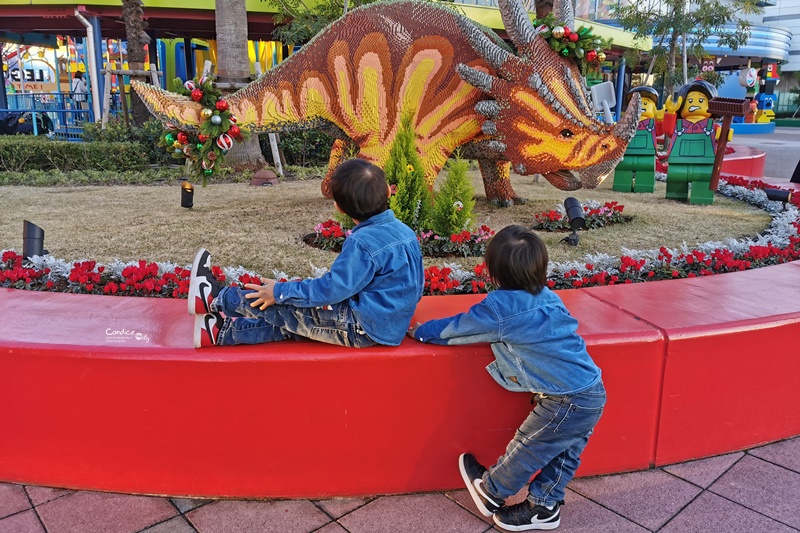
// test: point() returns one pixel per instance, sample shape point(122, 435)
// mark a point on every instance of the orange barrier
point(106, 393)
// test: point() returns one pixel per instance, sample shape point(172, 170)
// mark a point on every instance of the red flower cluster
point(13, 274)
point(608, 213)
point(330, 229)
point(246, 278)
point(83, 277)
point(437, 281)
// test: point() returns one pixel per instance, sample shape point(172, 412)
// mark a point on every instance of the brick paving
point(753, 491)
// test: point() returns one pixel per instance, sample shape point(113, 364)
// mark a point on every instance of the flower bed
point(778, 244)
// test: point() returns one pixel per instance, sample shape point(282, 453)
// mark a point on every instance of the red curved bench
point(693, 368)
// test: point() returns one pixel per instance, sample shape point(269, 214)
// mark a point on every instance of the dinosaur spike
point(626, 127)
point(488, 108)
point(517, 23)
point(493, 54)
point(497, 146)
point(578, 94)
point(476, 78)
point(562, 10)
point(489, 128)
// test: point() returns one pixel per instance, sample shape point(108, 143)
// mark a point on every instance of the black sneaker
point(472, 473)
point(527, 517)
point(206, 329)
point(203, 286)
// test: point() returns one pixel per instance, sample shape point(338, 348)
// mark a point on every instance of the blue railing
point(64, 114)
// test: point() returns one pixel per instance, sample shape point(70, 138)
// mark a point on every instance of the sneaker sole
point(541, 526)
point(193, 282)
point(471, 488)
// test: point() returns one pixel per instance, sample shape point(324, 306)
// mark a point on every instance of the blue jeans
point(250, 325)
point(551, 440)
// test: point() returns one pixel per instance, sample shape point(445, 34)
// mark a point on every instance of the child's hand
point(264, 295)
point(412, 331)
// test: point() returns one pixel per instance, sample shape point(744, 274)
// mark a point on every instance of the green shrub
point(411, 201)
point(147, 136)
point(453, 203)
point(20, 153)
point(50, 178)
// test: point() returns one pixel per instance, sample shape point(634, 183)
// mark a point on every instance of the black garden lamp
point(576, 221)
point(32, 240)
point(187, 195)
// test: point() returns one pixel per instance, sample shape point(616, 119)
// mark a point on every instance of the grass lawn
point(261, 228)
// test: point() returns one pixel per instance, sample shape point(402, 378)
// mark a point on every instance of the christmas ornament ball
point(558, 32)
point(225, 142)
point(234, 131)
point(601, 56)
point(222, 105)
point(216, 120)
point(206, 112)
point(197, 95)
point(189, 85)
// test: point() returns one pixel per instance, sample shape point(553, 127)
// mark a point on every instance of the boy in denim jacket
point(538, 351)
point(367, 297)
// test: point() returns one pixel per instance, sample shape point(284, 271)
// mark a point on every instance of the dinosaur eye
point(567, 133)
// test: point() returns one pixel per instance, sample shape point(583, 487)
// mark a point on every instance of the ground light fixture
point(187, 195)
point(779, 195)
point(576, 221)
point(32, 240)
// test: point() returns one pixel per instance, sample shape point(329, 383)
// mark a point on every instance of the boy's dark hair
point(517, 259)
point(359, 189)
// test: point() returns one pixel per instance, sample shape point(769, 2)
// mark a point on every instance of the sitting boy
point(366, 298)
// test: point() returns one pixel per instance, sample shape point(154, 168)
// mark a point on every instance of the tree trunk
point(135, 32)
point(669, 83)
point(234, 66)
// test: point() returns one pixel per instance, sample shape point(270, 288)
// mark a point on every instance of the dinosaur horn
point(518, 26)
point(562, 10)
point(626, 127)
point(493, 54)
point(476, 78)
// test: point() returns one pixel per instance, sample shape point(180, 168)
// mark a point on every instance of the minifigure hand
point(412, 331)
point(660, 114)
point(262, 294)
point(673, 107)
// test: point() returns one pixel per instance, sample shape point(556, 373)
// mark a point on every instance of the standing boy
point(537, 350)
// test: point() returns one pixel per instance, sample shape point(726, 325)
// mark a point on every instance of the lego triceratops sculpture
point(461, 84)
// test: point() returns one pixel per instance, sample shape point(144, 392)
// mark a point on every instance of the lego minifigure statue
point(636, 171)
point(692, 144)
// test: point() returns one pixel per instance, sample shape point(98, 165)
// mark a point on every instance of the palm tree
point(135, 26)
point(234, 66)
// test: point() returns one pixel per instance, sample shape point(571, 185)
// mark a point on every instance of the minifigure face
point(648, 109)
point(696, 106)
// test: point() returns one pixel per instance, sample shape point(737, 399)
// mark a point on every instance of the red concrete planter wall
point(693, 368)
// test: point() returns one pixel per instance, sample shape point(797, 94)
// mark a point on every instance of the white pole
point(92, 65)
point(273, 144)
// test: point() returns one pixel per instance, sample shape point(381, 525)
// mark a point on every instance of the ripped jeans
point(551, 440)
point(243, 324)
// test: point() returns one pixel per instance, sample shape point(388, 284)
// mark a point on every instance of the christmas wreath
point(206, 148)
point(581, 45)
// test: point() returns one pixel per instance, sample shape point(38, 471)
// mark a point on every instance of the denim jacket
point(533, 338)
point(379, 273)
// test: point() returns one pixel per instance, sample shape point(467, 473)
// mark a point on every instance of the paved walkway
point(755, 491)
